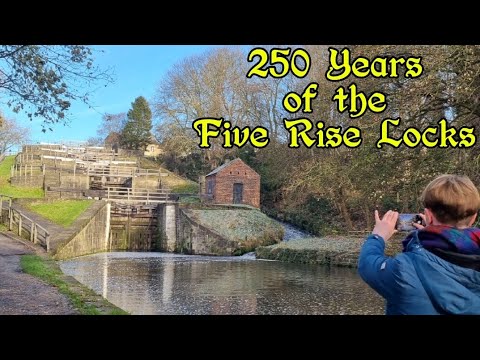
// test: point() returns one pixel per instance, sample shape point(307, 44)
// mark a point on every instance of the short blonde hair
point(452, 198)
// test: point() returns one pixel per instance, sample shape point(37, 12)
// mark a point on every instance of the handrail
point(21, 220)
point(137, 195)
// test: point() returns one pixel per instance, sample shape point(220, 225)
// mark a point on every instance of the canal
point(161, 283)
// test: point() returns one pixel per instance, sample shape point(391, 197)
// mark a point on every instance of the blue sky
point(138, 70)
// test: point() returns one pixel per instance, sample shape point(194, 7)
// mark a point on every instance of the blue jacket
point(417, 282)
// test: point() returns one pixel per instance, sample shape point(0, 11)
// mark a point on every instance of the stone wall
point(92, 238)
point(77, 181)
point(194, 238)
point(146, 182)
point(27, 181)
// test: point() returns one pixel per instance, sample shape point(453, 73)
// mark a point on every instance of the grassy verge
point(82, 298)
point(328, 250)
point(61, 212)
point(186, 188)
point(245, 229)
point(17, 192)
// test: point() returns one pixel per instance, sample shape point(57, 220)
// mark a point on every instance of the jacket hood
point(453, 289)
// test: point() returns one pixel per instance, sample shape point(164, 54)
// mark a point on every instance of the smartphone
point(405, 222)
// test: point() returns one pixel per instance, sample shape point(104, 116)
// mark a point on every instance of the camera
point(405, 222)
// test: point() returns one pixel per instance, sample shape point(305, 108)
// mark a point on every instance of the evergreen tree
point(136, 133)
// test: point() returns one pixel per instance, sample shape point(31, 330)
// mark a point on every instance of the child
point(438, 271)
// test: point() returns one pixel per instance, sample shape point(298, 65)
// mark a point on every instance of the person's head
point(451, 200)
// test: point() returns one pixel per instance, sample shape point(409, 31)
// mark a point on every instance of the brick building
point(233, 183)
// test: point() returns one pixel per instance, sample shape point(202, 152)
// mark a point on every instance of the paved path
point(23, 294)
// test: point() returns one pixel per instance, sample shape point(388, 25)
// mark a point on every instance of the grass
point(189, 187)
point(47, 270)
point(3, 227)
point(16, 192)
point(61, 212)
point(248, 228)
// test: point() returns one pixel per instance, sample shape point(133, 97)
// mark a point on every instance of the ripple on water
point(160, 283)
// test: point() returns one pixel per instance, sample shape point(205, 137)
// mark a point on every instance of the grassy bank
point(82, 298)
point(17, 192)
point(332, 250)
point(61, 212)
point(248, 228)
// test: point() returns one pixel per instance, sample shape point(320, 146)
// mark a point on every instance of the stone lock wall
point(92, 238)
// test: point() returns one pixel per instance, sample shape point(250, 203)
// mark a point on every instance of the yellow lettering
point(319, 133)
point(468, 139)
point(344, 67)
point(259, 137)
point(393, 66)
point(334, 137)
point(377, 102)
point(353, 102)
point(414, 67)
point(308, 95)
point(361, 64)
point(416, 134)
point(340, 98)
point(201, 127)
point(384, 134)
point(291, 125)
point(447, 134)
point(380, 71)
point(426, 141)
point(296, 99)
point(352, 137)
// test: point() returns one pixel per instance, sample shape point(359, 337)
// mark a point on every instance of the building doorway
point(237, 193)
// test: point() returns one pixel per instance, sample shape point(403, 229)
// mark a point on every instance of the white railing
point(137, 196)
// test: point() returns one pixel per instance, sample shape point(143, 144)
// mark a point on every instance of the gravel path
point(23, 294)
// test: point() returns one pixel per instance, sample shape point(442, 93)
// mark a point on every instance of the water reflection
point(157, 283)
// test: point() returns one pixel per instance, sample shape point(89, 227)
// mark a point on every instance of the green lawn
point(17, 192)
point(82, 299)
point(61, 212)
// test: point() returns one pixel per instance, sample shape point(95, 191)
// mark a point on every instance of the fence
point(2, 156)
point(137, 196)
point(23, 225)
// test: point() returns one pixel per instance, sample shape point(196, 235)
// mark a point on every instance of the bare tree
point(112, 124)
point(12, 134)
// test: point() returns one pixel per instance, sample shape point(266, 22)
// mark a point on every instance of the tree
point(136, 133)
point(42, 81)
point(11, 134)
point(112, 124)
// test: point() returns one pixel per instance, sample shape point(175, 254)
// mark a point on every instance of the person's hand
point(424, 220)
point(385, 227)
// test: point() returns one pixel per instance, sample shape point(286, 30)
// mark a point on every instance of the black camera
point(405, 222)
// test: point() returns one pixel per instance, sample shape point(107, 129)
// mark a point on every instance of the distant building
point(153, 149)
point(233, 183)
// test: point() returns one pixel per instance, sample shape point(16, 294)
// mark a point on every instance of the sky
point(137, 69)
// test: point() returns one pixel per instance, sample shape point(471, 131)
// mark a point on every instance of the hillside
point(17, 192)
point(174, 182)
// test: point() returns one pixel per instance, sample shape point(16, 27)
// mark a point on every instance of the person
point(438, 271)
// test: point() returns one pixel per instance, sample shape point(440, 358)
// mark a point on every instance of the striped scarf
point(444, 237)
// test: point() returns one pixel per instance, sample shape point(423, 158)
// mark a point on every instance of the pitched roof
point(221, 167)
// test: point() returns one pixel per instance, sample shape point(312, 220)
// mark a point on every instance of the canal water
point(161, 283)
